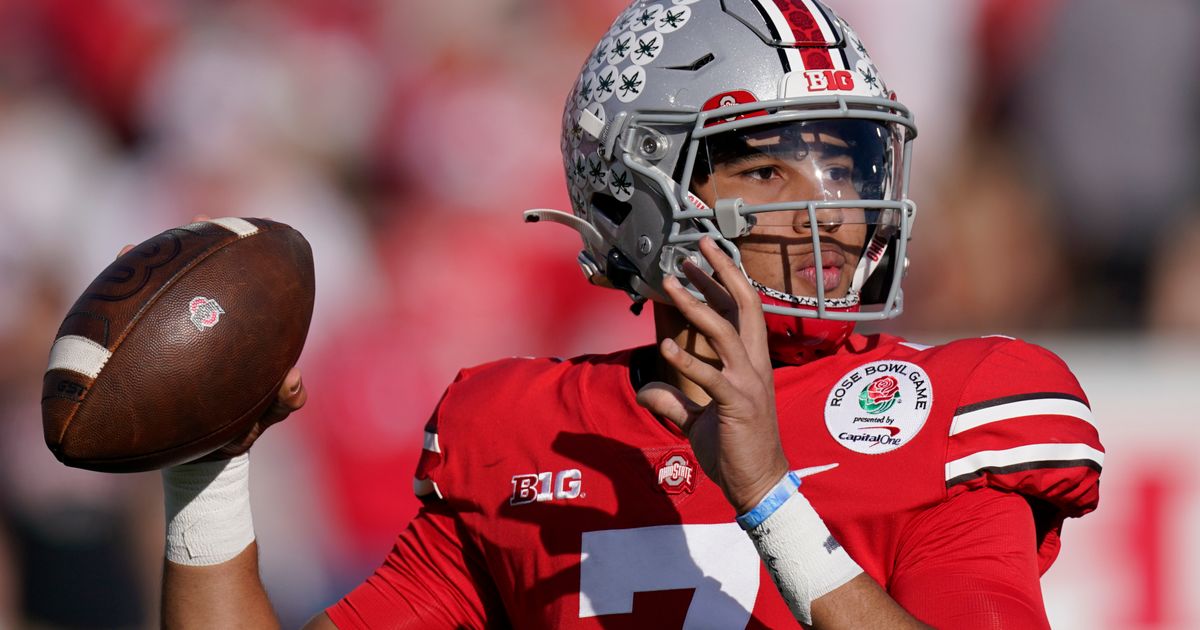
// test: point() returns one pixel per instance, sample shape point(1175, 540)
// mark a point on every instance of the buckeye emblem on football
point(205, 313)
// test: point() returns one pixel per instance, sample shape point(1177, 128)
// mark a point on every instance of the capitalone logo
point(880, 395)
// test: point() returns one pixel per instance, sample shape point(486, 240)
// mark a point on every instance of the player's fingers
point(668, 402)
point(728, 273)
point(710, 379)
point(291, 391)
point(731, 277)
point(291, 396)
point(721, 334)
point(124, 250)
point(749, 305)
point(714, 294)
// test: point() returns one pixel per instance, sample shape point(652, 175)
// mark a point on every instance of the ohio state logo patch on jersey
point(676, 473)
point(879, 407)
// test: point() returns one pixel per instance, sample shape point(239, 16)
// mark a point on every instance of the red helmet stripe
point(799, 22)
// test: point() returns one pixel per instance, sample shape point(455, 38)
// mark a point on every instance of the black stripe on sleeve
point(1022, 467)
point(996, 402)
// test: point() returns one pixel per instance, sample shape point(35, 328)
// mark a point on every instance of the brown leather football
point(178, 346)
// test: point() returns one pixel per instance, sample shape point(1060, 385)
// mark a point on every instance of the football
point(179, 346)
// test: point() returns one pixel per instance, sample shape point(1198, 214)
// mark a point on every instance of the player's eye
point(838, 174)
point(761, 173)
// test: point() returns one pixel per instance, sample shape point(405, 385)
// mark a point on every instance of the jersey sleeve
point(429, 465)
point(971, 563)
point(1024, 425)
point(431, 579)
point(435, 576)
point(455, 435)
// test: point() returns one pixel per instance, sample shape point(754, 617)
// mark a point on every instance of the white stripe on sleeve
point(1028, 454)
point(1022, 409)
point(431, 442)
point(425, 487)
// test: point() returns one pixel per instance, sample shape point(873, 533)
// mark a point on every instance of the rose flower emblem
point(880, 395)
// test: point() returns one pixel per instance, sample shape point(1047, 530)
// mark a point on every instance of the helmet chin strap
point(797, 340)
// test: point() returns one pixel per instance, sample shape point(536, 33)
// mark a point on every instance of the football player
point(741, 166)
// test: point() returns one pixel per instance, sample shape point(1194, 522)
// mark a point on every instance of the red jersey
point(553, 500)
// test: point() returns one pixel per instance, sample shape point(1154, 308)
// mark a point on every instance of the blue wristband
point(775, 498)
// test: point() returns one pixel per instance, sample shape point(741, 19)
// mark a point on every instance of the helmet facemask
point(768, 183)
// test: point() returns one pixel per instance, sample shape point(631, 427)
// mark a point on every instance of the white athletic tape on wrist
point(803, 558)
point(208, 511)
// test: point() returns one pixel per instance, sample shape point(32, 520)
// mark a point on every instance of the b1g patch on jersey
point(879, 406)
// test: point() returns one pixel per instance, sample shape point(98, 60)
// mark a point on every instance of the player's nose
point(827, 219)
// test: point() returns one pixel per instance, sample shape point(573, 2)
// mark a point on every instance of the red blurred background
point(1055, 174)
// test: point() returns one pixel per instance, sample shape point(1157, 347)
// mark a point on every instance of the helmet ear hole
point(611, 208)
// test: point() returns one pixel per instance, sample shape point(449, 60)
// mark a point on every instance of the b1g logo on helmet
point(676, 473)
point(829, 80)
point(205, 312)
point(879, 407)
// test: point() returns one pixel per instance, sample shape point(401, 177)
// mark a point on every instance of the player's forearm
point(861, 604)
point(210, 579)
point(823, 586)
point(225, 595)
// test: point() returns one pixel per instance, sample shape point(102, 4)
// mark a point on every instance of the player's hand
point(291, 396)
point(736, 435)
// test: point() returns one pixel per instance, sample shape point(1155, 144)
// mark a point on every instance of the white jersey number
point(718, 561)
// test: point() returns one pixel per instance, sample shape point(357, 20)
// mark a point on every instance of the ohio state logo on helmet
point(676, 473)
point(729, 99)
point(205, 312)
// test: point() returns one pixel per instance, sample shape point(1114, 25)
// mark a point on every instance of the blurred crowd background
point(1056, 172)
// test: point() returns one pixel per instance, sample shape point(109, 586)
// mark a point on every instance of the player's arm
point(972, 562)
point(320, 622)
point(225, 595)
point(210, 577)
point(735, 436)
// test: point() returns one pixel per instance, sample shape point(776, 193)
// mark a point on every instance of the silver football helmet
point(675, 87)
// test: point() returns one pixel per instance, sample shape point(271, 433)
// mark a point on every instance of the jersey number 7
point(718, 561)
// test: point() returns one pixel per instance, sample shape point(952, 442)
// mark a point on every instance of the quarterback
point(740, 166)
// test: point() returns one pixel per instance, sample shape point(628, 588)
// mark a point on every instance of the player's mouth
point(832, 263)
